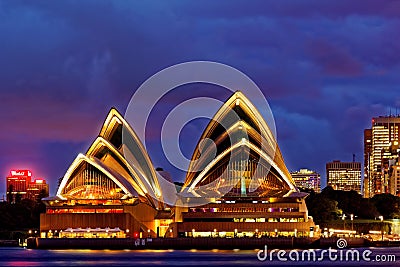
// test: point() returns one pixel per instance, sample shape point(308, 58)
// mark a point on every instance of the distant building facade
point(389, 164)
point(20, 186)
point(394, 181)
point(367, 188)
point(344, 175)
point(38, 189)
point(380, 153)
point(305, 178)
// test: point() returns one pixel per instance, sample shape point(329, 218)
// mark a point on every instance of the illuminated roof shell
point(131, 171)
point(237, 115)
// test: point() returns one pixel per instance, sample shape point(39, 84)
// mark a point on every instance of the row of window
point(58, 211)
point(246, 220)
point(247, 209)
point(268, 220)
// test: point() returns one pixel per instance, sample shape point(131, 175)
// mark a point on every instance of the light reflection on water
point(29, 257)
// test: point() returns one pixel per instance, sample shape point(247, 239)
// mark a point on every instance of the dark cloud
point(334, 60)
point(326, 67)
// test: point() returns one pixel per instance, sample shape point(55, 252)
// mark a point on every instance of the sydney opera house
point(236, 185)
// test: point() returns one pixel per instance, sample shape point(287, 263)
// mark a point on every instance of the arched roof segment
point(236, 123)
point(80, 159)
point(124, 160)
point(129, 144)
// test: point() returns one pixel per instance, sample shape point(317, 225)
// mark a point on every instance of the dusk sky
point(326, 68)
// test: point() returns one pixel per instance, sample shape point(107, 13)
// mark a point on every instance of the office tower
point(17, 184)
point(307, 179)
point(384, 133)
point(367, 189)
point(37, 189)
point(389, 161)
point(394, 181)
point(20, 186)
point(344, 175)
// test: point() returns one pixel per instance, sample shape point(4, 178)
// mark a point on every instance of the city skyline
point(325, 68)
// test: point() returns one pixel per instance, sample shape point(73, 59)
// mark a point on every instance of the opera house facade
point(236, 185)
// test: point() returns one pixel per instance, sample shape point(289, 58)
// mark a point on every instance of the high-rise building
point(17, 184)
point(344, 175)
point(37, 188)
point(390, 158)
point(394, 181)
point(307, 179)
point(383, 134)
point(367, 189)
point(20, 186)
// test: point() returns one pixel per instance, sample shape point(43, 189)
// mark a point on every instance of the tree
point(321, 208)
point(367, 209)
point(387, 205)
point(18, 198)
point(10, 196)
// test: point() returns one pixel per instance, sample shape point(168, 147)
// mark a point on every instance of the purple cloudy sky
point(326, 67)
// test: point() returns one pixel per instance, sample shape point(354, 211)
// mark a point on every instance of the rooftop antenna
point(354, 157)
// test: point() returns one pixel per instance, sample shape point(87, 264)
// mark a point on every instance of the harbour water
point(35, 257)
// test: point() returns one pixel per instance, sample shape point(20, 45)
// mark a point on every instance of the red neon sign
point(21, 173)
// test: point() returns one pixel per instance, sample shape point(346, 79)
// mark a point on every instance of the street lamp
point(343, 217)
point(351, 218)
point(381, 218)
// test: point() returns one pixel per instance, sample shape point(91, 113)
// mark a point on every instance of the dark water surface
point(30, 257)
